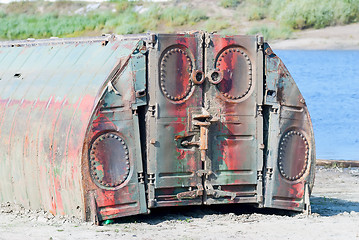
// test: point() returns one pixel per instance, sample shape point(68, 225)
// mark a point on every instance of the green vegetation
point(305, 13)
point(319, 14)
point(292, 15)
point(20, 25)
point(229, 3)
point(271, 32)
point(216, 24)
point(272, 18)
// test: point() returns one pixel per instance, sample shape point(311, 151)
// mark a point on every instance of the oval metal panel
point(293, 155)
point(109, 160)
point(175, 73)
point(236, 67)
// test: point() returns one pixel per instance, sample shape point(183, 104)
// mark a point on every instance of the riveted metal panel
point(113, 152)
point(48, 92)
point(86, 125)
point(290, 152)
point(175, 62)
point(234, 97)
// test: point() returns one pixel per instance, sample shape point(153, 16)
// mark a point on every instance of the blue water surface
point(329, 82)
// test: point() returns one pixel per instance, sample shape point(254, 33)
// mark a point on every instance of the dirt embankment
point(331, 38)
point(335, 215)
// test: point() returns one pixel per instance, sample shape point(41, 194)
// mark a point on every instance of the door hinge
point(260, 42)
point(259, 110)
point(141, 177)
point(260, 176)
point(152, 110)
point(269, 173)
point(151, 178)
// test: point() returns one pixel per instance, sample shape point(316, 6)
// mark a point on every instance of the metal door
point(175, 77)
point(205, 120)
point(233, 97)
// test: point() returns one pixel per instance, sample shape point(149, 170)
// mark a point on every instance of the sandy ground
point(335, 215)
point(331, 38)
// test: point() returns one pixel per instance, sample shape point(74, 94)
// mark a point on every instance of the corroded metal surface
point(116, 125)
point(290, 156)
point(109, 160)
point(48, 92)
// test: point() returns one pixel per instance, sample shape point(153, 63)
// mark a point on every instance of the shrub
point(229, 3)
point(271, 32)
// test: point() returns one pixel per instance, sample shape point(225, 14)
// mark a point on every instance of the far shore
point(330, 38)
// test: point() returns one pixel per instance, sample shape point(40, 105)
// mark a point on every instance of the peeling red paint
point(204, 110)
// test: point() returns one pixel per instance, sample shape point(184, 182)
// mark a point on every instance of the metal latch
point(191, 193)
point(217, 193)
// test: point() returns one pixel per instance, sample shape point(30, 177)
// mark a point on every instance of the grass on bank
point(125, 20)
point(292, 15)
point(271, 32)
point(304, 13)
point(40, 19)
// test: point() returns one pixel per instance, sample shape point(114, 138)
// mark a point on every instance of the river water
point(329, 82)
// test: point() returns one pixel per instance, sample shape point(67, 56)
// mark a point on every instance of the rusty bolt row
point(249, 65)
point(94, 162)
point(163, 74)
point(282, 148)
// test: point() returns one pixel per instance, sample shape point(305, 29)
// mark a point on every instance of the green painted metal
point(113, 126)
point(48, 92)
point(289, 169)
point(171, 167)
